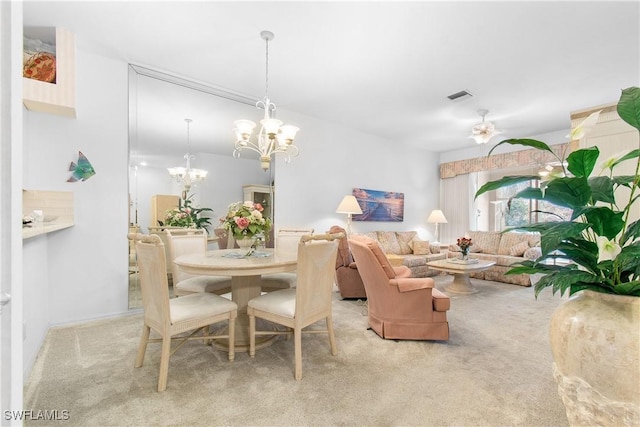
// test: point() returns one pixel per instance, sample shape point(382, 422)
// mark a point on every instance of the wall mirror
point(159, 138)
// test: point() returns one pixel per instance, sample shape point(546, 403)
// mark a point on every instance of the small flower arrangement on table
point(464, 243)
point(245, 220)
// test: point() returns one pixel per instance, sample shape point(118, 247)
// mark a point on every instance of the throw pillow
point(474, 249)
point(533, 253)
point(420, 247)
point(519, 249)
point(404, 240)
point(434, 249)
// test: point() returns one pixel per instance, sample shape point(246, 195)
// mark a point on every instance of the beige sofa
point(406, 248)
point(505, 249)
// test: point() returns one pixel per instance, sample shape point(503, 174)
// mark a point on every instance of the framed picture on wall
point(379, 205)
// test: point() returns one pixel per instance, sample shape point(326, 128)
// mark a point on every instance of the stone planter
point(595, 339)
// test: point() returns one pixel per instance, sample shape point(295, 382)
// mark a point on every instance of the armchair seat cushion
point(441, 302)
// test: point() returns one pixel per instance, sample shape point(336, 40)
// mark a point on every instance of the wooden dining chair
point(189, 241)
point(308, 303)
point(287, 240)
point(172, 318)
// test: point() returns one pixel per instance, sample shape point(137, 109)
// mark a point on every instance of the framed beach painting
point(379, 205)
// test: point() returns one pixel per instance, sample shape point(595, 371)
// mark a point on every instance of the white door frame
point(11, 129)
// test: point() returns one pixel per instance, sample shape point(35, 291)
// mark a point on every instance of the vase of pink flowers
point(464, 243)
point(246, 222)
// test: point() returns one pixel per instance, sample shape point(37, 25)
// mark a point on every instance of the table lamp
point(436, 217)
point(349, 205)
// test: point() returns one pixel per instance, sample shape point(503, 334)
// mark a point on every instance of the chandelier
point(186, 176)
point(274, 137)
point(483, 132)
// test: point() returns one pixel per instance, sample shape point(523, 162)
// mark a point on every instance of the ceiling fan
point(484, 131)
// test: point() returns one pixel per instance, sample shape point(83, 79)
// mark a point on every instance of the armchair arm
point(408, 284)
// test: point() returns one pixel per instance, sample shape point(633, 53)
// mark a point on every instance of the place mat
point(238, 255)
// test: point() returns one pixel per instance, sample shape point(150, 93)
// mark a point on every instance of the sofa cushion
point(372, 235)
point(519, 248)
point(389, 242)
point(487, 241)
point(404, 239)
point(414, 260)
point(509, 240)
point(420, 247)
point(533, 253)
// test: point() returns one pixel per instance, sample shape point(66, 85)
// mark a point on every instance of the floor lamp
point(436, 217)
point(349, 205)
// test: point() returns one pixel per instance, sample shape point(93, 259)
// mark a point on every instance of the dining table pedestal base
point(244, 288)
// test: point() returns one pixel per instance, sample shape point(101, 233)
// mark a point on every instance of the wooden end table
point(461, 283)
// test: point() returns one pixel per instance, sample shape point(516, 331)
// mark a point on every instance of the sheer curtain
point(457, 202)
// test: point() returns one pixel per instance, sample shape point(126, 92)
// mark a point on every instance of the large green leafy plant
point(599, 247)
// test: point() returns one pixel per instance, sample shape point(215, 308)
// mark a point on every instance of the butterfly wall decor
point(81, 171)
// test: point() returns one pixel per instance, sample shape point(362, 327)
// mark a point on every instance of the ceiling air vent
point(459, 95)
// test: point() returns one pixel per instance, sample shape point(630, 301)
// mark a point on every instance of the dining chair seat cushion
point(214, 285)
point(197, 306)
point(282, 303)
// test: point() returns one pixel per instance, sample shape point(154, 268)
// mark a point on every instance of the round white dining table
point(245, 273)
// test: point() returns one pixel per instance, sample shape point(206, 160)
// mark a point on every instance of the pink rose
point(242, 223)
point(259, 207)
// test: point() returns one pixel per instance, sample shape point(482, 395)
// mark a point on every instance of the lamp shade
point(436, 217)
point(349, 205)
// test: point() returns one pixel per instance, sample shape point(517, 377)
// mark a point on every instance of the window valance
point(505, 160)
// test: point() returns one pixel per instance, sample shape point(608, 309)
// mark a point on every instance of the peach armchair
point(399, 307)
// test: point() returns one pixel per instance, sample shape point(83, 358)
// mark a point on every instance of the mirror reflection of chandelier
point(186, 176)
point(274, 137)
point(483, 132)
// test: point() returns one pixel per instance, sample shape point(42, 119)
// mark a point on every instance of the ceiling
point(384, 68)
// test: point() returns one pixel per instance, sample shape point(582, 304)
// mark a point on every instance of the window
point(523, 211)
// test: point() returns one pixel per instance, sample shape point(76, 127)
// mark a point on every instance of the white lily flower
point(611, 161)
point(584, 126)
point(608, 250)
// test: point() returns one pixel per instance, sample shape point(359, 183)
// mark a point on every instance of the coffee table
point(461, 283)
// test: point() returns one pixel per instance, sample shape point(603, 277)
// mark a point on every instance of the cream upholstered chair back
point(287, 240)
point(185, 242)
point(153, 281)
point(316, 276)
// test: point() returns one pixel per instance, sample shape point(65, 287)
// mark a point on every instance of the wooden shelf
point(59, 97)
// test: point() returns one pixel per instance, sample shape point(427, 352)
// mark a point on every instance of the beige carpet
point(494, 371)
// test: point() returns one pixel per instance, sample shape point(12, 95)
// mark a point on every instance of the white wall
point(80, 273)
point(334, 159)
